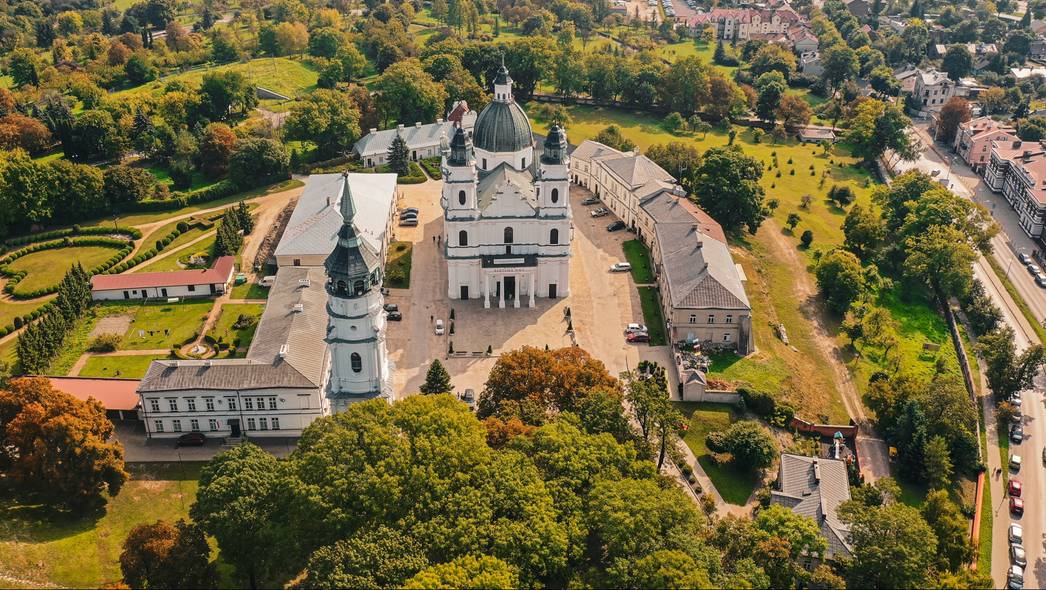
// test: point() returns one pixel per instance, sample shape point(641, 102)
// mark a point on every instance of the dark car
point(1017, 433)
point(615, 226)
point(590, 201)
point(1016, 506)
point(1040, 280)
point(191, 439)
point(390, 307)
point(394, 316)
point(406, 210)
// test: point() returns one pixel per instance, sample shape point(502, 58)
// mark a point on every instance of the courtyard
point(601, 303)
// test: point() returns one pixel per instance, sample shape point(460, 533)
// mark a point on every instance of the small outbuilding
point(119, 396)
point(816, 135)
point(162, 285)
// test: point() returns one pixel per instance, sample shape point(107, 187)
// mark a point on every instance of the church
point(506, 212)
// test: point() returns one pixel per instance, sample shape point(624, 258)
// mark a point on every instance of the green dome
point(502, 127)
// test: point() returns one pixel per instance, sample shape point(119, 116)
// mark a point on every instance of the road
point(1011, 240)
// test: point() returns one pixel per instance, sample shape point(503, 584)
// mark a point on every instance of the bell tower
point(553, 182)
point(459, 176)
point(356, 319)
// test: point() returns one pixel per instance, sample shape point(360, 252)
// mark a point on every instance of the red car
point(638, 337)
point(1016, 506)
point(1015, 488)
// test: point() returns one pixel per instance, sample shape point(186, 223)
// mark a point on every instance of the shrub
point(807, 238)
point(104, 343)
point(761, 403)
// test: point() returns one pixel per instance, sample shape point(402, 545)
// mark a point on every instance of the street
point(1010, 242)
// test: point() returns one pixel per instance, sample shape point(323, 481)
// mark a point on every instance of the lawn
point(163, 176)
point(734, 486)
point(179, 260)
point(637, 255)
point(52, 548)
point(46, 267)
point(250, 291)
point(224, 331)
point(397, 268)
point(9, 310)
point(283, 75)
point(164, 325)
point(132, 366)
point(650, 299)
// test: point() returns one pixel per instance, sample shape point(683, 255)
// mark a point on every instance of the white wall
point(157, 292)
point(295, 409)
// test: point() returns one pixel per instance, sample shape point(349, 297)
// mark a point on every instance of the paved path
point(169, 252)
point(80, 362)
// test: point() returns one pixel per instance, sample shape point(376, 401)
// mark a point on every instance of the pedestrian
point(430, 319)
point(433, 239)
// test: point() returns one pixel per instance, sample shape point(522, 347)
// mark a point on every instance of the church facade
point(506, 211)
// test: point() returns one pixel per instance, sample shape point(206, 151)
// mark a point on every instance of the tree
point(216, 146)
point(938, 463)
point(19, 131)
point(162, 555)
point(378, 558)
point(138, 70)
point(291, 38)
point(957, 62)
point(893, 547)
point(94, 136)
point(611, 136)
point(773, 58)
point(468, 571)
point(24, 67)
point(673, 122)
point(749, 444)
point(399, 156)
point(326, 42)
point(951, 529)
point(223, 91)
point(840, 65)
point(864, 232)
point(769, 101)
point(124, 184)
point(802, 533)
point(437, 380)
point(662, 569)
point(841, 279)
point(679, 159)
point(993, 100)
point(806, 238)
point(327, 118)
point(728, 188)
point(58, 447)
point(793, 112)
point(942, 259)
point(793, 220)
point(823, 578)
point(1008, 372)
point(953, 113)
point(406, 93)
point(257, 162)
point(876, 127)
point(237, 504)
point(883, 81)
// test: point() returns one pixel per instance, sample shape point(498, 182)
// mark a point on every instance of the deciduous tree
point(162, 555)
point(727, 187)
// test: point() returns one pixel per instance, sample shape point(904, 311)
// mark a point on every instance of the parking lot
point(601, 304)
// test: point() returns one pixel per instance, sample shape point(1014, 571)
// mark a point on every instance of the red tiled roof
point(459, 111)
point(219, 273)
point(114, 394)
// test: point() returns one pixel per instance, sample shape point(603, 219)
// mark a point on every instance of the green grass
point(182, 320)
point(53, 548)
point(179, 260)
point(286, 76)
point(46, 267)
point(397, 268)
point(734, 486)
point(163, 176)
point(639, 257)
point(224, 331)
point(1021, 303)
point(650, 299)
point(9, 310)
point(984, 551)
point(249, 291)
point(124, 366)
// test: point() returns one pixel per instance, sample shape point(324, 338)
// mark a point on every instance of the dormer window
point(357, 288)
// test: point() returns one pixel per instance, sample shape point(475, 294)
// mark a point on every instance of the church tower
point(459, 176)
point(553, 181)
point(356, 320)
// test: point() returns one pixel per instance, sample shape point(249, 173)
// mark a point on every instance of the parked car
point(1015, 461)
point(1024, 258)
point(616, 225)
point(1016, 533)
point(191, 439)
point(439, 327)
point(620, 267)
point(1015, 487)
point(1017, 433)
point(1040, 281)
point(390, 307)
point(408, 216)
point(409, 222)
point(635, 328)
point(413, 210)
point(601, 212)
point(469, 397)
point(1017, 506)
point(638, 337)
point(1015, 578)
point(1033, 269)
point(394, 316)
point(590, 201)
point(1017, 555)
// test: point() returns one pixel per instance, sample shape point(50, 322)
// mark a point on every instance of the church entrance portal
point(510, 288)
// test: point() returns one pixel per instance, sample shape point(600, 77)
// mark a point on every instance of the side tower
point(459, 177)
point(356, 328)
point(553, 181)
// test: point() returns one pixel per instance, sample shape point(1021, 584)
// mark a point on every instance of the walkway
point(80, 362)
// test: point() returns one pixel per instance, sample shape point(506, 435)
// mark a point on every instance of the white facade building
point(506, 213)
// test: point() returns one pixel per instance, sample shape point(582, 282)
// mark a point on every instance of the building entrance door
point(464, 291)
point(234, 426)
point(551, 290)
point(510, 288)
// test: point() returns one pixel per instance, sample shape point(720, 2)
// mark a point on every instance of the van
point(268, 281)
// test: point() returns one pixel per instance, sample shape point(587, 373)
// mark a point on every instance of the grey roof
point(504, 180)
point(698, 269)
point(299, 335)
point(417, 136)
point(636, 171)
point(815, 487)
point(593, 150)
point(353, 258)
point(502, 127)
point(314, 225)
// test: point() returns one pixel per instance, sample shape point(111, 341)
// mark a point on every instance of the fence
point(848, 431)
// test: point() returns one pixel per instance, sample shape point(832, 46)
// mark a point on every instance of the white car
point(439, 327)
point(620, 267)
point(1015, 462)
point(1016, 534)
point(632, 328)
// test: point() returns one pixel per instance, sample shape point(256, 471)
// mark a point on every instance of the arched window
point(524, 163)
point(342, 288)
point(461, 197)
point(553, 236)
point(463, 238)
point(358, 287)
point(555, 195)
point(357, 362)
point(508, 235)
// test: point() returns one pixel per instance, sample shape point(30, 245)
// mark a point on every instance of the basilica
point(506, 212)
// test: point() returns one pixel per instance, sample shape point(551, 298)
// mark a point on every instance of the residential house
point(810, 64)
point(1017, 169)
point(803, 40)
point(742, 24)
point(423, 141)
point(814, 487)
point(1037, 48)
point(934, 88)
point(118, 396)
point(974, 139)
point(859, 8)
point(162, 285)
point(1025, 73)
point(815, 134)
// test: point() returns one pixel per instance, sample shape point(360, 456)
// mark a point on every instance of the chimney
point(817, 472)
point(1016, 144)
point(400, 127)
point(440, 121)
point(283, 350)
point(373, 130)
point(417, 124)
point(299, 307)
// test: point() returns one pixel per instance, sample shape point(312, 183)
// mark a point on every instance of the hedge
point(13, 277)
point(76, 230)
point(432, 167)
point(218, 190)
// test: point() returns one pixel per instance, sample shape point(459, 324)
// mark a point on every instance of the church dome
point(502, 127)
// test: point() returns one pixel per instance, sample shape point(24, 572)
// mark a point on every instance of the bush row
point(218, 190)
point(76, 230)
point(141, 257)
point(14, 277)
point(25, 319)
point(432, 166)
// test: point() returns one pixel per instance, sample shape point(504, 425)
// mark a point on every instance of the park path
point(168, 253)
point(80, 362)
point(871, 449)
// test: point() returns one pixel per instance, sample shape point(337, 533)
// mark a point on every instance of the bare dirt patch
point(114, 324)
